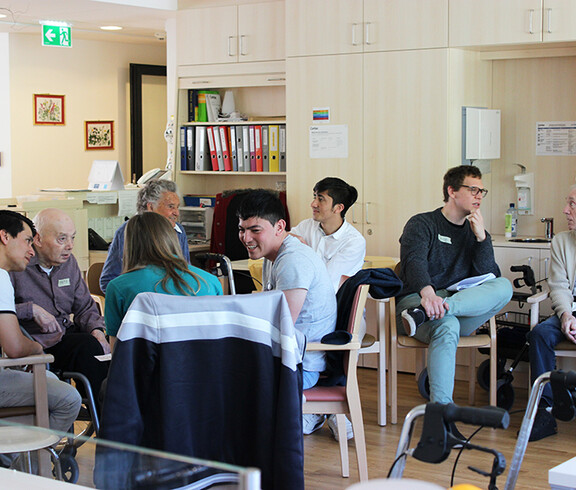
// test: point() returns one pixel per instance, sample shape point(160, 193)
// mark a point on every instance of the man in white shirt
point(16, 387)
point(340, 246)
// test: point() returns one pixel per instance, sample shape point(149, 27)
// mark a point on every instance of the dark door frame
point(136, 73)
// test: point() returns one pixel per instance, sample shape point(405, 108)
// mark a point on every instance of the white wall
point(94, 77)
point(5, 167)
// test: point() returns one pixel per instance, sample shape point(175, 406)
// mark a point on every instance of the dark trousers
point(543, 338)
point(75, 352)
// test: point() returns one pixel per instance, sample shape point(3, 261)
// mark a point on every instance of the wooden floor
point(322, 464)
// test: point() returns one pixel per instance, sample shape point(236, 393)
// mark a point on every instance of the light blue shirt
point(297, 266)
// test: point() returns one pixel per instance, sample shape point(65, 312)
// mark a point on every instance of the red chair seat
point(325, 394)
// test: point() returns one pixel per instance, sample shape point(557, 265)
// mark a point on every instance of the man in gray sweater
point(437, 250)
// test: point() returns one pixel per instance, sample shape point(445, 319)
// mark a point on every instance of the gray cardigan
point(562, 272)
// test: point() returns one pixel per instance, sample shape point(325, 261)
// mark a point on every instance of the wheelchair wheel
point(424, 384)
point(483, 372)
point(69, 466)
point(505, 394)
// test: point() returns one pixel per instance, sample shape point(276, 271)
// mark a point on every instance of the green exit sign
point(56, 36)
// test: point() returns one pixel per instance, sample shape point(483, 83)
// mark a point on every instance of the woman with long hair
point(153, 262)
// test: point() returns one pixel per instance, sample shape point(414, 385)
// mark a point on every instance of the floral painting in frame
point(99, 135)
point(48, 109)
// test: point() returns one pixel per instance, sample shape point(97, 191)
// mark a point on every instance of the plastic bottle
point(510, 221)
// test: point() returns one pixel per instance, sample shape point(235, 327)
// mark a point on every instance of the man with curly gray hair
point(159, 196)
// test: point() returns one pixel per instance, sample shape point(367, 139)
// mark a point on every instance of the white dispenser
point(525, 191)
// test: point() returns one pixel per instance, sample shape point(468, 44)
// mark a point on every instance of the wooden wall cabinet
point(403, 128)
point(321, 27)
point(495, 22)
point(231, 34)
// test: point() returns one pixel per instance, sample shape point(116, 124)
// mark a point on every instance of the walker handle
point(487, 416)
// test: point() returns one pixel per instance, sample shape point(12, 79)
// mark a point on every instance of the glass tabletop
point(96, 463)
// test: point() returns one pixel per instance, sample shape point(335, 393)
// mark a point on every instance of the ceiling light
point(2, 16)
point(111, 28)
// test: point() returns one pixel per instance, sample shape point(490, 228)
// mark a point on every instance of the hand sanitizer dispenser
point(524, 191)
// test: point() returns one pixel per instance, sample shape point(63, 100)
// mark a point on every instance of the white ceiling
point(140, 23)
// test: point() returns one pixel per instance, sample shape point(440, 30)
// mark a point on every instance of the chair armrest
point(26, 361)
point(317, 346)
point(538, 297)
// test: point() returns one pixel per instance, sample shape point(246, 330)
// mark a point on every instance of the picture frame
point(49, 109)
point(99, 135)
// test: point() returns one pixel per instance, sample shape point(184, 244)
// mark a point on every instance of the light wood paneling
point(528, 91)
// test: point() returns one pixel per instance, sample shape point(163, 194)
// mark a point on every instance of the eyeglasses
point(475, 190)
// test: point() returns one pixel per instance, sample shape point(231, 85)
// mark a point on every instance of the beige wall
point(94, 77)
point(530, 91)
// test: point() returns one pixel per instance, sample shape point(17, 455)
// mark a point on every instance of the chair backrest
point(358, 305)
point(93, 278)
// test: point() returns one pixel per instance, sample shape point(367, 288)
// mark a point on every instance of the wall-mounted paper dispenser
point(480, 134)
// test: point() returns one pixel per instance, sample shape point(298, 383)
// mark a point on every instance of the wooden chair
point(377, 344)
point(93, 281)
point(20, 438)
point(471, 342)
point(342, 400)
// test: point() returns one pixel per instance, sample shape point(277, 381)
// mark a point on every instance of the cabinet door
point(485, 22)
point(207, 36)
point(405, 141)
point(333, 82)
point(405, 24)
point(559, 20)
point(323, 27)
point(261, 32)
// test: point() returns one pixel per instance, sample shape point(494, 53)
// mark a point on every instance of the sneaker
point(311, 422)
point(333, 425)
point(544, 425)
point(412, 318)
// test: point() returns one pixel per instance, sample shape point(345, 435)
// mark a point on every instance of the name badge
point(63, 282)
point(445, 239)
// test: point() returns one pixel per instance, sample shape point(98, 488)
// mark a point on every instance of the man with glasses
point(562, 325)
point(51, 290)
point(437, 250)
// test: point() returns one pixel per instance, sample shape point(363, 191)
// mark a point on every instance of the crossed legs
point(468, 309)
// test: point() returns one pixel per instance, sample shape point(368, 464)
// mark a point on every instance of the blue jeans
point(543, 339)
point(309, 379)
point(468, 309)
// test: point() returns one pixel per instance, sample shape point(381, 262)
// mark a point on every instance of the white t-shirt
point(343, 251)
point(6, 293)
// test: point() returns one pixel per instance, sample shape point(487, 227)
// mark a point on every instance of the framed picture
point(99, 135)
point(48, 109)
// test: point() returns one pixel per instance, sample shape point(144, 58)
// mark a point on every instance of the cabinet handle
point(277, 79)
point(549, 12)
point(546, 260)
point(367, 32)
point(230, 44)
point(201, 81)
point(242, 46)
point(367, 215)
point(354, 40)
point(531, 21)
point(354, 215)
